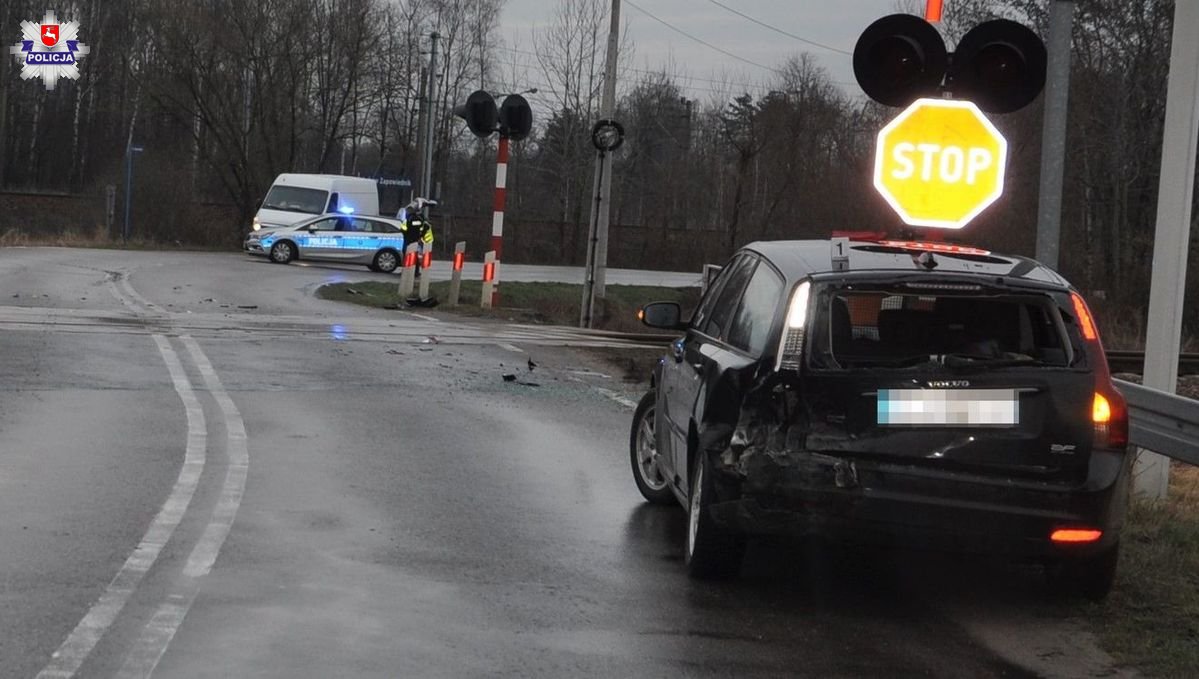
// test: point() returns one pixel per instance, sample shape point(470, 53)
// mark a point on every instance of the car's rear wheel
point(283, 252)
point(1089, 578)
point(643, 454)
point(386, 261)
point(713, 552)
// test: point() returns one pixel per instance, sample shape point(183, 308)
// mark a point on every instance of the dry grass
point(1124, 329)
point(96, 238)
point(1151, 619)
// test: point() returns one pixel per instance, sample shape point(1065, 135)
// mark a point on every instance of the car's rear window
point(879, 328)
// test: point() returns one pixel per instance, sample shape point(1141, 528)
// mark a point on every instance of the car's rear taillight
point(790, 353)
point(1075, 535)
point(1109, 411)
point(1109, 414)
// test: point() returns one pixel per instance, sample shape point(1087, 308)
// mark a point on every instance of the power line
point(699, 40)
point(779, 30)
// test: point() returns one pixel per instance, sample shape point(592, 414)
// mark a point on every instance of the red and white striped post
point(933, 10)
point(497, 218)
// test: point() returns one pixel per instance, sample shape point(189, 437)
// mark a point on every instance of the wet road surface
point(197, 490)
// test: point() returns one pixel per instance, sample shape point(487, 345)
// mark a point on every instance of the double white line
point(157, 634)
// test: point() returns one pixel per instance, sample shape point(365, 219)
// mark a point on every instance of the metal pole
point(603, 161)
point(426, 186)
point(422, 122)
point(128, 190)
point(1053, 132)
point(1172, 237)
point(587, 308)
point(497, 215)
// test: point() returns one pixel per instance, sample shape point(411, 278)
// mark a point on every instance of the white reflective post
point(488, 279)
point(408, 273)
point(1172, 237)
point(456, 276)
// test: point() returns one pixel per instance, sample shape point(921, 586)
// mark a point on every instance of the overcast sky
point(836, 23)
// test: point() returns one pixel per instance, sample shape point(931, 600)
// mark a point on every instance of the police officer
point(418, 230)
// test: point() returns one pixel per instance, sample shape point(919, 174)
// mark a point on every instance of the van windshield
point(296, 199)
point(902, 330)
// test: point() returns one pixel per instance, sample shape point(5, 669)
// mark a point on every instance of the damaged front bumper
point(871, 502)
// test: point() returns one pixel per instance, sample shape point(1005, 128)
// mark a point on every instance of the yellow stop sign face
point(940, 163)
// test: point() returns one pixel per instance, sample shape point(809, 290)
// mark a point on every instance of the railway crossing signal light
point(480, 113)
point(899, 59)
point(513, 119)
point(516, 117)
point(999, 64)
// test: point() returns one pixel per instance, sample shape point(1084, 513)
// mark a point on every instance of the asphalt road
point(207, 472)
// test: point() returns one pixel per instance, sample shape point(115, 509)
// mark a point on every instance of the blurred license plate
point(948, 407)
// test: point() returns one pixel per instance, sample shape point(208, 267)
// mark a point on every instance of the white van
point(294, 197)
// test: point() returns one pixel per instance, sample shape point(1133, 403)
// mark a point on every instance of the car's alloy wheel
point(386, 261)
point(712, 551)
point(643, 454)
point(282, 252)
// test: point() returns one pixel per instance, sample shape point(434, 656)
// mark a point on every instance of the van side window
point(334, 199)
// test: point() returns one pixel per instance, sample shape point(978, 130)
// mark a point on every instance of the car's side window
point(382, 227)
point(324, 225)
point(709, 300)
point(717, 323)
point(347, 224)
point(751, 325)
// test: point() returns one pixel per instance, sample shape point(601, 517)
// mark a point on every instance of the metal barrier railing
point(1161, 422)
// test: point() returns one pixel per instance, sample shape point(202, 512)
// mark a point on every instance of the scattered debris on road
point(531, 365)
point(509, 377)
point(247, 306)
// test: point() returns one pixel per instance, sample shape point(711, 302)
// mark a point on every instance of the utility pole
point(422, 118)
point(426, 185)
point(597, 243)
point(1053, 132)
point(1171, 239)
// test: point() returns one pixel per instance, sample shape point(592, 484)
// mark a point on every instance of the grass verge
point(548, 303)
point(1151, 619)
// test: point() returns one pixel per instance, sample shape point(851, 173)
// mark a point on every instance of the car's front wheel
point(386, 261)
point(1090, 578)
point(283, 252)
point(643, 453)
point(712, 551)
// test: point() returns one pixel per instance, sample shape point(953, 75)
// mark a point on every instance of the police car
point(376, 242)
point(921, 395)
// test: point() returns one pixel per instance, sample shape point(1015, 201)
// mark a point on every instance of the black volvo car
point(896, 393)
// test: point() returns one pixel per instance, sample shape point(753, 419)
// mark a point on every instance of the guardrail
point(1133, 361)
point(1161, 422)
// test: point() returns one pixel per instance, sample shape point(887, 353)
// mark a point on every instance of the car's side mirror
point(664, 315)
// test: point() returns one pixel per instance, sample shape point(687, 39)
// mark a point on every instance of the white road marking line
point(631, 405)
point(426, 318)
point(511, 347)
point(66, 661)
point(156, 636)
